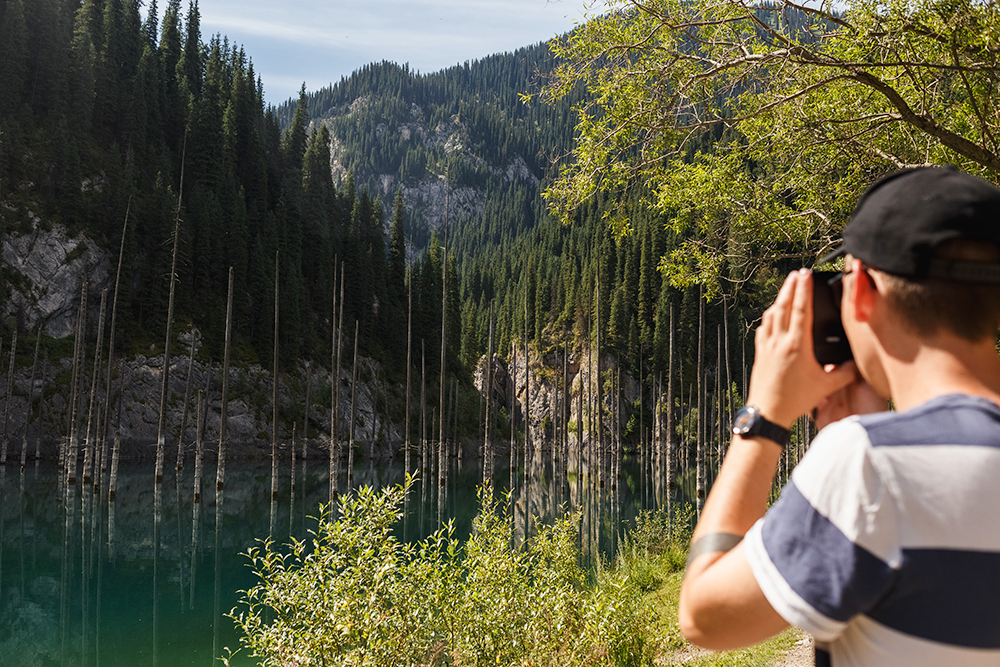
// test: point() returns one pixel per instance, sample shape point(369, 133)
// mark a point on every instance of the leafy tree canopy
point(755, 127)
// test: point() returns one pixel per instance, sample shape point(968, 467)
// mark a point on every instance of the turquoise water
point(146, 578)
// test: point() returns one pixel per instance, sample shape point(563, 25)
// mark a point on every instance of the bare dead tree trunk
point(111, 333)
point(444, 329)
point(512, 401)
point(729, 379)
point(487, 450)
point(198, 450)
point(409, 367)
point(527, 391)
point(671, 450)
point(566, 397)
point(88, 457)
point(41, 404)
point(98, 450)
point(423, 418)
point(113, 483)
point(744, 374)
point(374, 396)
point(700, 460)
point(334, 394)
point(184, 411)
point(220, 473)
point(618, 432)
point(31, 399)
point(274, 391)
point(454, 416)
point(10, 393)
point(305, 416)
point(600, 389)
point(340, 338)
point(354, 410)
point(161, 434)
point(291, 488)
point(720, 409)
point(78, 362)
point(579, 431)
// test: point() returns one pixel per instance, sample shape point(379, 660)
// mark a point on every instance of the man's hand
point(787, 381)
point(857, 398)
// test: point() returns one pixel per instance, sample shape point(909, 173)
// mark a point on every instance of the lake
point(147, 577)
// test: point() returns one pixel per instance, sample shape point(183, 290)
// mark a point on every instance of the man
point(885, 545)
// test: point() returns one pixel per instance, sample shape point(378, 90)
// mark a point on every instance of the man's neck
point(943, 365)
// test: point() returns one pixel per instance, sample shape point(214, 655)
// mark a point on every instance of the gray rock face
point(249, 410)
point(53, 267)
point(425, 198)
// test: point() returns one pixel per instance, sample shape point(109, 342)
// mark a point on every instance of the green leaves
point(356, 595)
point(755, 128)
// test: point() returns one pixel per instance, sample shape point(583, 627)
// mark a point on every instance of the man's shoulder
point(952, 419)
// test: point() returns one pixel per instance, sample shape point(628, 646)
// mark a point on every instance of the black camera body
point(829, 339)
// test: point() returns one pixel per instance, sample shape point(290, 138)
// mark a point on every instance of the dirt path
point(801, 654)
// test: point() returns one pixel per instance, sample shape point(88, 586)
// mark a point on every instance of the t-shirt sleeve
point(828, 549)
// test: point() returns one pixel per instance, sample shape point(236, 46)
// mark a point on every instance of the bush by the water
point(356, 595)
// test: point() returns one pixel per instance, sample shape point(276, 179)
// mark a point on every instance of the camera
point(830, 342)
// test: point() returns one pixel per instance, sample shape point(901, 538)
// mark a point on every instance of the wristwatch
point(748, 422)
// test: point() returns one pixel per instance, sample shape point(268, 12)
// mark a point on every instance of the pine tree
point(13, 57)
point(83, 64)
point(190, 65)
point(294, 140)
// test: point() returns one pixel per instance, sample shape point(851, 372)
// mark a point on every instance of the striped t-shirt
point(886, 542)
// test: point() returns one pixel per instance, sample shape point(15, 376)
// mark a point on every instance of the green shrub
point(356, 595)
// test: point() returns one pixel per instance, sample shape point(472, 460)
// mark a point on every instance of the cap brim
point(839, 252)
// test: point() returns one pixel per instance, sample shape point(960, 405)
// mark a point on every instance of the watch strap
point(771, 431)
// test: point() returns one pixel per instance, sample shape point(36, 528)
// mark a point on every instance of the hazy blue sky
point(319, 41)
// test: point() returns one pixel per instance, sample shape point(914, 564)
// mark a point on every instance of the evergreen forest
point(107, 113)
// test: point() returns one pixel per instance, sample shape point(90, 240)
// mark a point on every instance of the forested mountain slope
point(464, 129)
point(106, 113)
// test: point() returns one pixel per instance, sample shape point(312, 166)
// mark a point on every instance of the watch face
point(744, 420)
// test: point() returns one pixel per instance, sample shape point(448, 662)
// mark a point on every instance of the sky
point(319, 41)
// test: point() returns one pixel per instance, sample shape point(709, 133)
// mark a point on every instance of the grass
point(653, 556)
point(677, 650)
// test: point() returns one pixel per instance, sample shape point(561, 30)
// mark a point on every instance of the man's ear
point(862, 291)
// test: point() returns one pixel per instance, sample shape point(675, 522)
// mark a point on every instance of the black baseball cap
point(904, 216)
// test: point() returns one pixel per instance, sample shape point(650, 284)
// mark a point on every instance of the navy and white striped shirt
point(886, 542)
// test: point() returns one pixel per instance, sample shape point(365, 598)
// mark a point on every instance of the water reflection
point(89, 579)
